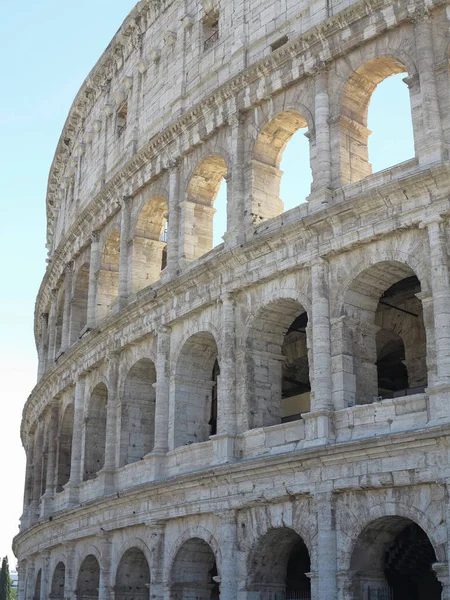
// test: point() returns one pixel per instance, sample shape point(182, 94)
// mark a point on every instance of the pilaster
point(94, 266)
point(124, 275)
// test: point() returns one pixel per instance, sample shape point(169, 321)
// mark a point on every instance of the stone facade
point(270, 418)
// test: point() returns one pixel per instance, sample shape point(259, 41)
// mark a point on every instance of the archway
point(37, 586)
point(94, 450)
point(267, 155)
point(278, 567)
point(194, 572)
point(393, 560)
point(88, 581)
point(194, 384)
point(79, 303)
point(279, 383)
point(355, 100)
point(388, 340)
point(108, 276)
point(133, 576)
point(149, 243)
point(199, 208)
point(137, 415)
point(59, 323)
point(65, 448)
point(58, 582)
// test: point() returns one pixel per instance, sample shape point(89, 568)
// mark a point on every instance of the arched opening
point(88, 581)
point(65, 448)
point(79, 303)
point(278, 567)
point(355, 100)
point(194, 572)
point(149, 243)
point(133, 576)
point(194, 385)
point(94, 450)
point(267, 175)
point(393, 559)
point(59, 322)
point(137, 420)
point(199, 207)
point(108, 275)
point(58, 582)
point(44, 463)
point(385, 334)
point(37, 586)
point(279, 382)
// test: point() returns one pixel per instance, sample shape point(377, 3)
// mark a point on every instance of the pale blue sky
point(48, 49)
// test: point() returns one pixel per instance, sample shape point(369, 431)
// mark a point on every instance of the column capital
point(431, 220)
point(228, 517)
point(228, 297)
point(44, 317)
point(69, 267)
point(126, 202)
point(173, 165)
point(236, 119)
point(318, 261)
point(95, 236)
point(164, 330)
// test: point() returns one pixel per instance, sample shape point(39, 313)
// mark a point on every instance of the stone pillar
point(67, 304)
point(111, 422)
point(318, 423)
point(441, 571)
point(30, 580)
point(51, 328)
point(322, 167)
point(50, 484)
point(326, 545)
point(106, 586)
point(236, 184)
point(124, 276)
point(70, 581)
point(345, 585)
point(43, 345)
point(94, 267)
point(21, 579)
point(228, 575)
point(76, 465)
point(162, 391)
point(431, 149)
point(156, 545)
point(37, 472)
point(46, 576)
point(28, 490)
point(173, 221)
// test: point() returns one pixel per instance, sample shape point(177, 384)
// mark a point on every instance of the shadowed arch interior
point(94, 452)
point(137, 413)
point(108, 276)
point(58, 582)
point(195, 376)
point(37, 586)
point(88, 581)
point(133, 576)
point(79, 303)
point(194, 572)
point(65, 448)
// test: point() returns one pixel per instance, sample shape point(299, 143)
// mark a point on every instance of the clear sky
point(49, 47)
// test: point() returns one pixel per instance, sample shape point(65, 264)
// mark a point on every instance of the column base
point(72, 493)
point(46, 505)
point(223, 448)
point(319, 427)
point(106, 479)
point(155, 463)
point(438, 402)
point(319, 199)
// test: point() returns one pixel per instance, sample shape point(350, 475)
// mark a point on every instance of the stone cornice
point(316, 42)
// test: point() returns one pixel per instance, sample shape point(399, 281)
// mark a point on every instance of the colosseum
point(267, 418)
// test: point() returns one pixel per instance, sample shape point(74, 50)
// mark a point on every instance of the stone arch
point(279, 563)
point(201, 192)
point(65, 435)
point(355, 96)
point(381, 304)
point(193, 532)
point(194, 382)
point(37, 586)
point(132, 576)
point(88, 580)
point(149, 242)
point(108, 275)
point(130, 543)
point(268, 149)
point(78, 314)
point(194, 572)
point(278, 363)
point(137, 412)
point(58, 582)
point(95, 442)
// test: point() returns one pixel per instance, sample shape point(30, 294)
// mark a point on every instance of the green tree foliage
point(5, 580)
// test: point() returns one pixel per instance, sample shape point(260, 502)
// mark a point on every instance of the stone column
point(52, 328)
point(156, 545)
point(94, 266)
point(326, 545)
point(236, 184)
point(76, 465)
point(322, 169)
point(431, 149)
point(106, 586)
point(174, 245)
point(43, 345)
point(28, 490)
point(70, 581)
point(111, 422)
point(124, 277)
point(162, 391)
point(46, 576)
point(30, 580)
point(50, 485)
point(21, 579)
point(37, 472)
point(67, 304)
point(318, 423)
point(228, 583)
